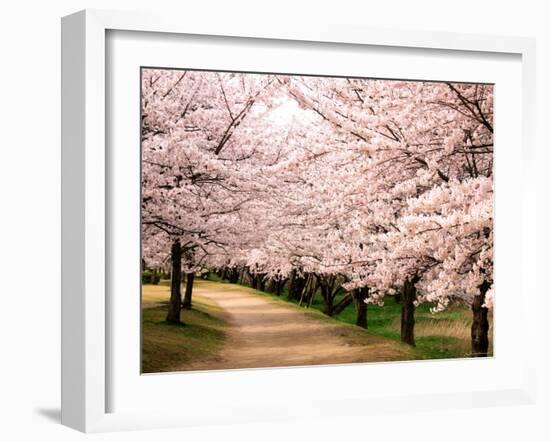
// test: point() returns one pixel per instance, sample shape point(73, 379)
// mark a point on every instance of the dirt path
point(263, 332)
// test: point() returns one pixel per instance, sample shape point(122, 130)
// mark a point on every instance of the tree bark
point(224, 274)
point(291, 283)
point(307, 287)
point(190, 277)
point(234, 275)
point(328, 308)
point(280, 285)
point(328, 299)
point(407, 311)
point(297, 284)
point(242, 273)
point(480, 324)
point(261, 282)
point(272, 284)
point(329, 288)
point(361, 296)
point(341, 306)
point(174, 307)
point(246, 277)
point(313, 288)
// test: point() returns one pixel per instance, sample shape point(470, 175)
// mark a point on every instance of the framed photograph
point(252, 216)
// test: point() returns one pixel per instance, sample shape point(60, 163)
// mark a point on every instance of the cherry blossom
point(378, 186)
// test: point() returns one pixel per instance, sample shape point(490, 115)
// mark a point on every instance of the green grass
point(169, 347)
point(438, 335)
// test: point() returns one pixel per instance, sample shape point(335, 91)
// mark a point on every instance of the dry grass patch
point(450, 331)
point(169, 347)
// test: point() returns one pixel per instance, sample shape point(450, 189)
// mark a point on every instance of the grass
point(440, 335)
point(169, 347)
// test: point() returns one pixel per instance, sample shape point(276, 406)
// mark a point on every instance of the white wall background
point(30, 214)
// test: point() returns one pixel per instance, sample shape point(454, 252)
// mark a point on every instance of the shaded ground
point(166, 347)
point(262, 332)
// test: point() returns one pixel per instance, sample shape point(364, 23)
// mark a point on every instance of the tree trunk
point(311, 298)
point(306, 289)
point(296, 287)
point(224, 274)
point(328, 309)
point(272, 285)
point(261, 282)
point(234, 275)
point(341, 306)
point(291, 279)
point(242, 273)
point(312, 289)
point(361, 296)
point(328, 299)
point(480, 324)
point(174, 307)
point(280, 285)
point(246, 277)
point(407, 311)
point(190, 277)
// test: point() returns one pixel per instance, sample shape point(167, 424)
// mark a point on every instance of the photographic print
point(292, 220)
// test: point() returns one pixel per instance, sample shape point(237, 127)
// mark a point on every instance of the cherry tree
point(339, 184)
point(193, 137)
point(417, 144)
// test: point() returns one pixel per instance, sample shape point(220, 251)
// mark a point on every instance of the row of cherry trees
point(373, 187)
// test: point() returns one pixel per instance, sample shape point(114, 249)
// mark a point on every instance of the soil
point(263, 332)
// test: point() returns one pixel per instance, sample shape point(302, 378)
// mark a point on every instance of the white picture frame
point(85, 236)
